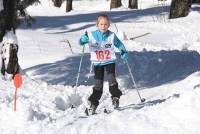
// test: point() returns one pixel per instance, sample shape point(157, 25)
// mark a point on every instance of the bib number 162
point(103, 55)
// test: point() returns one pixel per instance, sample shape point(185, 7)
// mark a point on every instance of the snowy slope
point(170, 108)
point(165, 64)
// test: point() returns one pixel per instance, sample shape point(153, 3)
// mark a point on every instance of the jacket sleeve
point(119, 45)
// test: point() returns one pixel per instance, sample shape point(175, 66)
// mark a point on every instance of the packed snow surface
point(165, 63)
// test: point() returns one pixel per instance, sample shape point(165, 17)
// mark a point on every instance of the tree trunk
point(8, 23)
point(8, 17)
point(190, 3)
point(179, 8)
point(133, 4)
point(68, 5)
point(11, 15)
point(1, 20)
point(115, 4)
point(119, 2)
point(2, 25)
point(57, 3)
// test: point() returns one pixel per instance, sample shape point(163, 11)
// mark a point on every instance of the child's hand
point(84, 39)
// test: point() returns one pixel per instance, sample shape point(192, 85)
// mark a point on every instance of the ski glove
point(84, 39)
point(124, 55)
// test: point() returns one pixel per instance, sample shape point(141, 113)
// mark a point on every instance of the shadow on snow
point(149, 69)
point(196, 8)
point(62, 22)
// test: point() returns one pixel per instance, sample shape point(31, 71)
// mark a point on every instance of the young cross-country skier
point(101, 45)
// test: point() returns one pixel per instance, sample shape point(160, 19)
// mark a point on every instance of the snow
point(164, 63)
point(10, 38)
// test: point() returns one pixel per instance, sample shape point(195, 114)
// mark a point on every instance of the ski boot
point(115, 102)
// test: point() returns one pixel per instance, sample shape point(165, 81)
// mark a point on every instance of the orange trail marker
point(18, 80)
point(17, 83)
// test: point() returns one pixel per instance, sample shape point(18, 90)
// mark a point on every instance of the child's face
point(103, 25)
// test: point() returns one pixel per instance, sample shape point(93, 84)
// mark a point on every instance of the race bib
point(102, 51)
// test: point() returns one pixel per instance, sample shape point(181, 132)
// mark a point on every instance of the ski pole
point(79, 69)
point(133, 80)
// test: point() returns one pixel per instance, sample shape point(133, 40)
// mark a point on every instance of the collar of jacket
point(102, 36)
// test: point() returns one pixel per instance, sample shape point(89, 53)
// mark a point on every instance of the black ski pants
point(99, 78)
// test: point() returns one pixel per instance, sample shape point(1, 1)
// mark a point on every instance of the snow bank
point(41, 108)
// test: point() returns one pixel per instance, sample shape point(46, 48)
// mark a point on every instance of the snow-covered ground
point(165, 65)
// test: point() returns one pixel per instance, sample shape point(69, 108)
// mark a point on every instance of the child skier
point(101, 45)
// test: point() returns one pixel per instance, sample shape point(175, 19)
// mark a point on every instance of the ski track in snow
point(43, 109)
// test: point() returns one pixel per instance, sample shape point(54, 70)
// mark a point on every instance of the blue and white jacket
point(101, 46)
